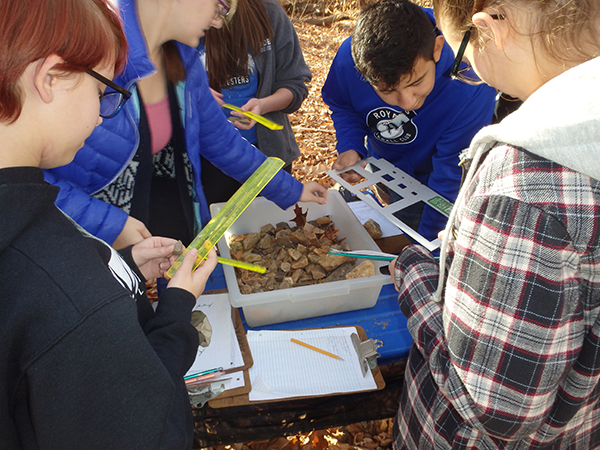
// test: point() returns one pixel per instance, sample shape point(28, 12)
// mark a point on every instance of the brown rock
point(287, 283)
point(265, 242)
point(317, 272)
point(250, 240)
point(268, 228)
point(332, 262)
point(373, 228)
point(364, 269)
point(294, 254)
point(235, 246)
point(251, 257)
point(323, 220)
point(302, 262)
point(340, 273)
point(282, 238)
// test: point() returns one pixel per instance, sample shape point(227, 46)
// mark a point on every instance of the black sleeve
point(108, 384)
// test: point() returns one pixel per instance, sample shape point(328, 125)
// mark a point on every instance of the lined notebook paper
point(283, 369)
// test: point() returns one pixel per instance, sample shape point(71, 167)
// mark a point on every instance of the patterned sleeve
point(511, 324)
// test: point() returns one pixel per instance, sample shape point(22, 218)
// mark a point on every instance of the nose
point(406, 100)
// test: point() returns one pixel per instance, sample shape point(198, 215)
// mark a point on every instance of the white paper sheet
point(223, 350)
point(284, 369)
point(364, 212)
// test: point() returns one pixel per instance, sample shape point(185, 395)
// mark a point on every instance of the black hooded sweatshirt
point(78, 370)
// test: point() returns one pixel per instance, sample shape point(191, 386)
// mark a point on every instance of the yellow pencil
point(304, 344)
point(242, 265)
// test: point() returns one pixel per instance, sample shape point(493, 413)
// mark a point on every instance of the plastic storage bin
point(305, 301)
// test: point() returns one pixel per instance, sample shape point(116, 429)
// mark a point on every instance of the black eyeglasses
point(222, 10)
point(113, 98)
point(466, 74)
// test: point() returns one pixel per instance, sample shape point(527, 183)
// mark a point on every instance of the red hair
point(84, 33)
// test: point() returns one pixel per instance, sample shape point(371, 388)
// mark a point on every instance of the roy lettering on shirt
point(391, 126)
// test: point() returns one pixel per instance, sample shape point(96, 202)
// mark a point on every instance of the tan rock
point(364, 269)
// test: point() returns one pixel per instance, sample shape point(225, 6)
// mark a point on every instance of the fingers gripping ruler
point(216, 228)
point(260, 119)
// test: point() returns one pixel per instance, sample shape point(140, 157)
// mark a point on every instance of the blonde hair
point(566, 30)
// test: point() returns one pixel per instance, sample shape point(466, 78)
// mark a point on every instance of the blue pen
point(206, 372)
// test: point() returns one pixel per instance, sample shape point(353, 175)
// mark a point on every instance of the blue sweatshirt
point(430, 139)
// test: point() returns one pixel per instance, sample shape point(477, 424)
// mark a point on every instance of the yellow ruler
point(216, 228)
point(260, 119)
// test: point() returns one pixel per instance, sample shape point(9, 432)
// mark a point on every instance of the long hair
point(227, 48)
point(85, 33)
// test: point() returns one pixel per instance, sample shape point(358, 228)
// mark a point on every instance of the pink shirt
point(159, 122)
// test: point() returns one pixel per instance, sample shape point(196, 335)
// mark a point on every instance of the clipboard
point(246, 355)
point(247, 360)
point(222, 401)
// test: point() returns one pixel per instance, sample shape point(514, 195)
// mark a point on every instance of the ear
point(495, 30)
point(437, 47)
point(44, 77)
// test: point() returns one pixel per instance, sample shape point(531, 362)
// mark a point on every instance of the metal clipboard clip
point(201, 394)
point(367, 352)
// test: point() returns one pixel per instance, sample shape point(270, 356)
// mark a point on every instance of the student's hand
point(133, 232)
point(154, 256)
point(193, 282)
point(314, 192)
point(391, 268)
point(218, 96)
point(345, 159)
point(254, 105)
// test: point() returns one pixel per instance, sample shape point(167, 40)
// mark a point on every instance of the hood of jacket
point(560, 122)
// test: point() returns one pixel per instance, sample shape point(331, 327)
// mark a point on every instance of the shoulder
point(277, 15)
point(343, 57)
point(273, 6)
point(64, 270)
point(544, 185)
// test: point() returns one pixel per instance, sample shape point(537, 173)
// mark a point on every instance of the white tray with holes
point(389, 191)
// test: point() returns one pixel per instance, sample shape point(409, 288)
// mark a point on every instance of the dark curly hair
point(389, 37)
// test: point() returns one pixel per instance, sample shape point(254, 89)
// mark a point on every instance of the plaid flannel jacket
point(510, 359)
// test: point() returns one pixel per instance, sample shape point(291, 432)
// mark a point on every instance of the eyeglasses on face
point(222, 10)
point(113, 98)
point(466, 74)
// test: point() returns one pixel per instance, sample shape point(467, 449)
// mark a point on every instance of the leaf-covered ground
point(311, 123)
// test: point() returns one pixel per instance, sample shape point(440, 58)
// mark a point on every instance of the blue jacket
point(114, 143)
point(427, 145)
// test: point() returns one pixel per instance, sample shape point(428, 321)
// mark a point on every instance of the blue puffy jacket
point(113, 144)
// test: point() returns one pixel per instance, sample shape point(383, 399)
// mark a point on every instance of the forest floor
point(316, 138)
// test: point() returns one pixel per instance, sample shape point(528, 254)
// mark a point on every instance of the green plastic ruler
point(235, 206)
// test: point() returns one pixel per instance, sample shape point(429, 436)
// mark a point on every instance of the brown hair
point(566, 30)
point(227, 48)
point(85, 33)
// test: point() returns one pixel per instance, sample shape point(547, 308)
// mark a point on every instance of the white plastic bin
point(305, 301)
